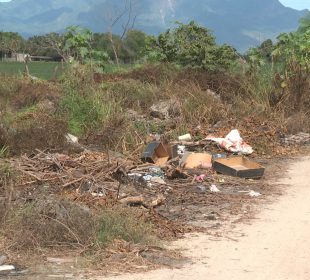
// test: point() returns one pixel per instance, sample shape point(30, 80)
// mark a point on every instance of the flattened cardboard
point(239, 167)
point(156, 153)
point(196, 160)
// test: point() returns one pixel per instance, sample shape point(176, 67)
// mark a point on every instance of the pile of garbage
point(166, 170)
point(179, 156)
point(173, 184)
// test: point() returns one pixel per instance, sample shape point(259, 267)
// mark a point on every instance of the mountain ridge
point(240, 23)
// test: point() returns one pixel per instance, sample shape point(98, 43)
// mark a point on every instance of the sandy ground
point(275, 246)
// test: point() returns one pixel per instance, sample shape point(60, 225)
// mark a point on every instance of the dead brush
point(225, 84)
point(155, 74)
point(122, 223)
point(298, 122)
point(197, 106)
point(33, 130)
point(8, 86)
point(55, 223)
point(22, 93)
point(49, 222)
point(29, 94)
point(132, 94)
point(7, 178)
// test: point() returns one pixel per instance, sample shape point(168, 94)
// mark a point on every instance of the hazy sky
point(297, 4)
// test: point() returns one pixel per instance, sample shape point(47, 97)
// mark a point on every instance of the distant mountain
point(241, 23)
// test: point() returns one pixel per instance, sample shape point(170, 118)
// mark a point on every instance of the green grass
point(46, 70)
point(113, 68)
point(121, 223)
point(42, 70)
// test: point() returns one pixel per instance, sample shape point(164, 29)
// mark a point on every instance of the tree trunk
point(114, 48)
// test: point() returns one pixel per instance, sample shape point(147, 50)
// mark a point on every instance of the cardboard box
point(173, 151)
point(156, 153)
point(196, 160)
point(239, 167)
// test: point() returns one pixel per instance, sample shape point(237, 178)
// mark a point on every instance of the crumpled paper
point(233, 143)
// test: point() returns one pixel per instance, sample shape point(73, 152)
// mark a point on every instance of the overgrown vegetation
point(50, 222)
point(287, 63)
point(207, 88)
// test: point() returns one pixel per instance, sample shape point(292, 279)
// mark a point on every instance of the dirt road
point(275, 246)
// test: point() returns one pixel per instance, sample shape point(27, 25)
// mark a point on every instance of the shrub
point(191, 45)
point(120, 223)
point(51, 222)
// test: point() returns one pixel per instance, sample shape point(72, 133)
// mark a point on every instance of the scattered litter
point(157, 153)
point(181, 150)
point(156, 172)
point(135, 176)
point(254, 194)
point(155, 175)
point(202, 188)
point(213, 188)
point(222, 181)
point(200, 178)
point(239, 167)
point(185, 138)
point(196, 160)
point(251, 193)
point(98, 194)
point(6, 268)
point(72, 139)
point(147, 177)
point(233, 143)
point(218, 156)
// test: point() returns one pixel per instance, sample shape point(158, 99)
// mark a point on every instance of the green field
point(42, 70)
point(46, 70)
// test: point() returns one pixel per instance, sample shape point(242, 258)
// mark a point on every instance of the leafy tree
point(293, 49)
point(304, 23)
point(134, 45)
point(191, 45)
point(101, 41)
point(258, 57)
point(130, 49)
point(293, 52)
point(51, 44)
point(266, 49)
point(11, 42)
point(77, 42)
point(254, 57)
